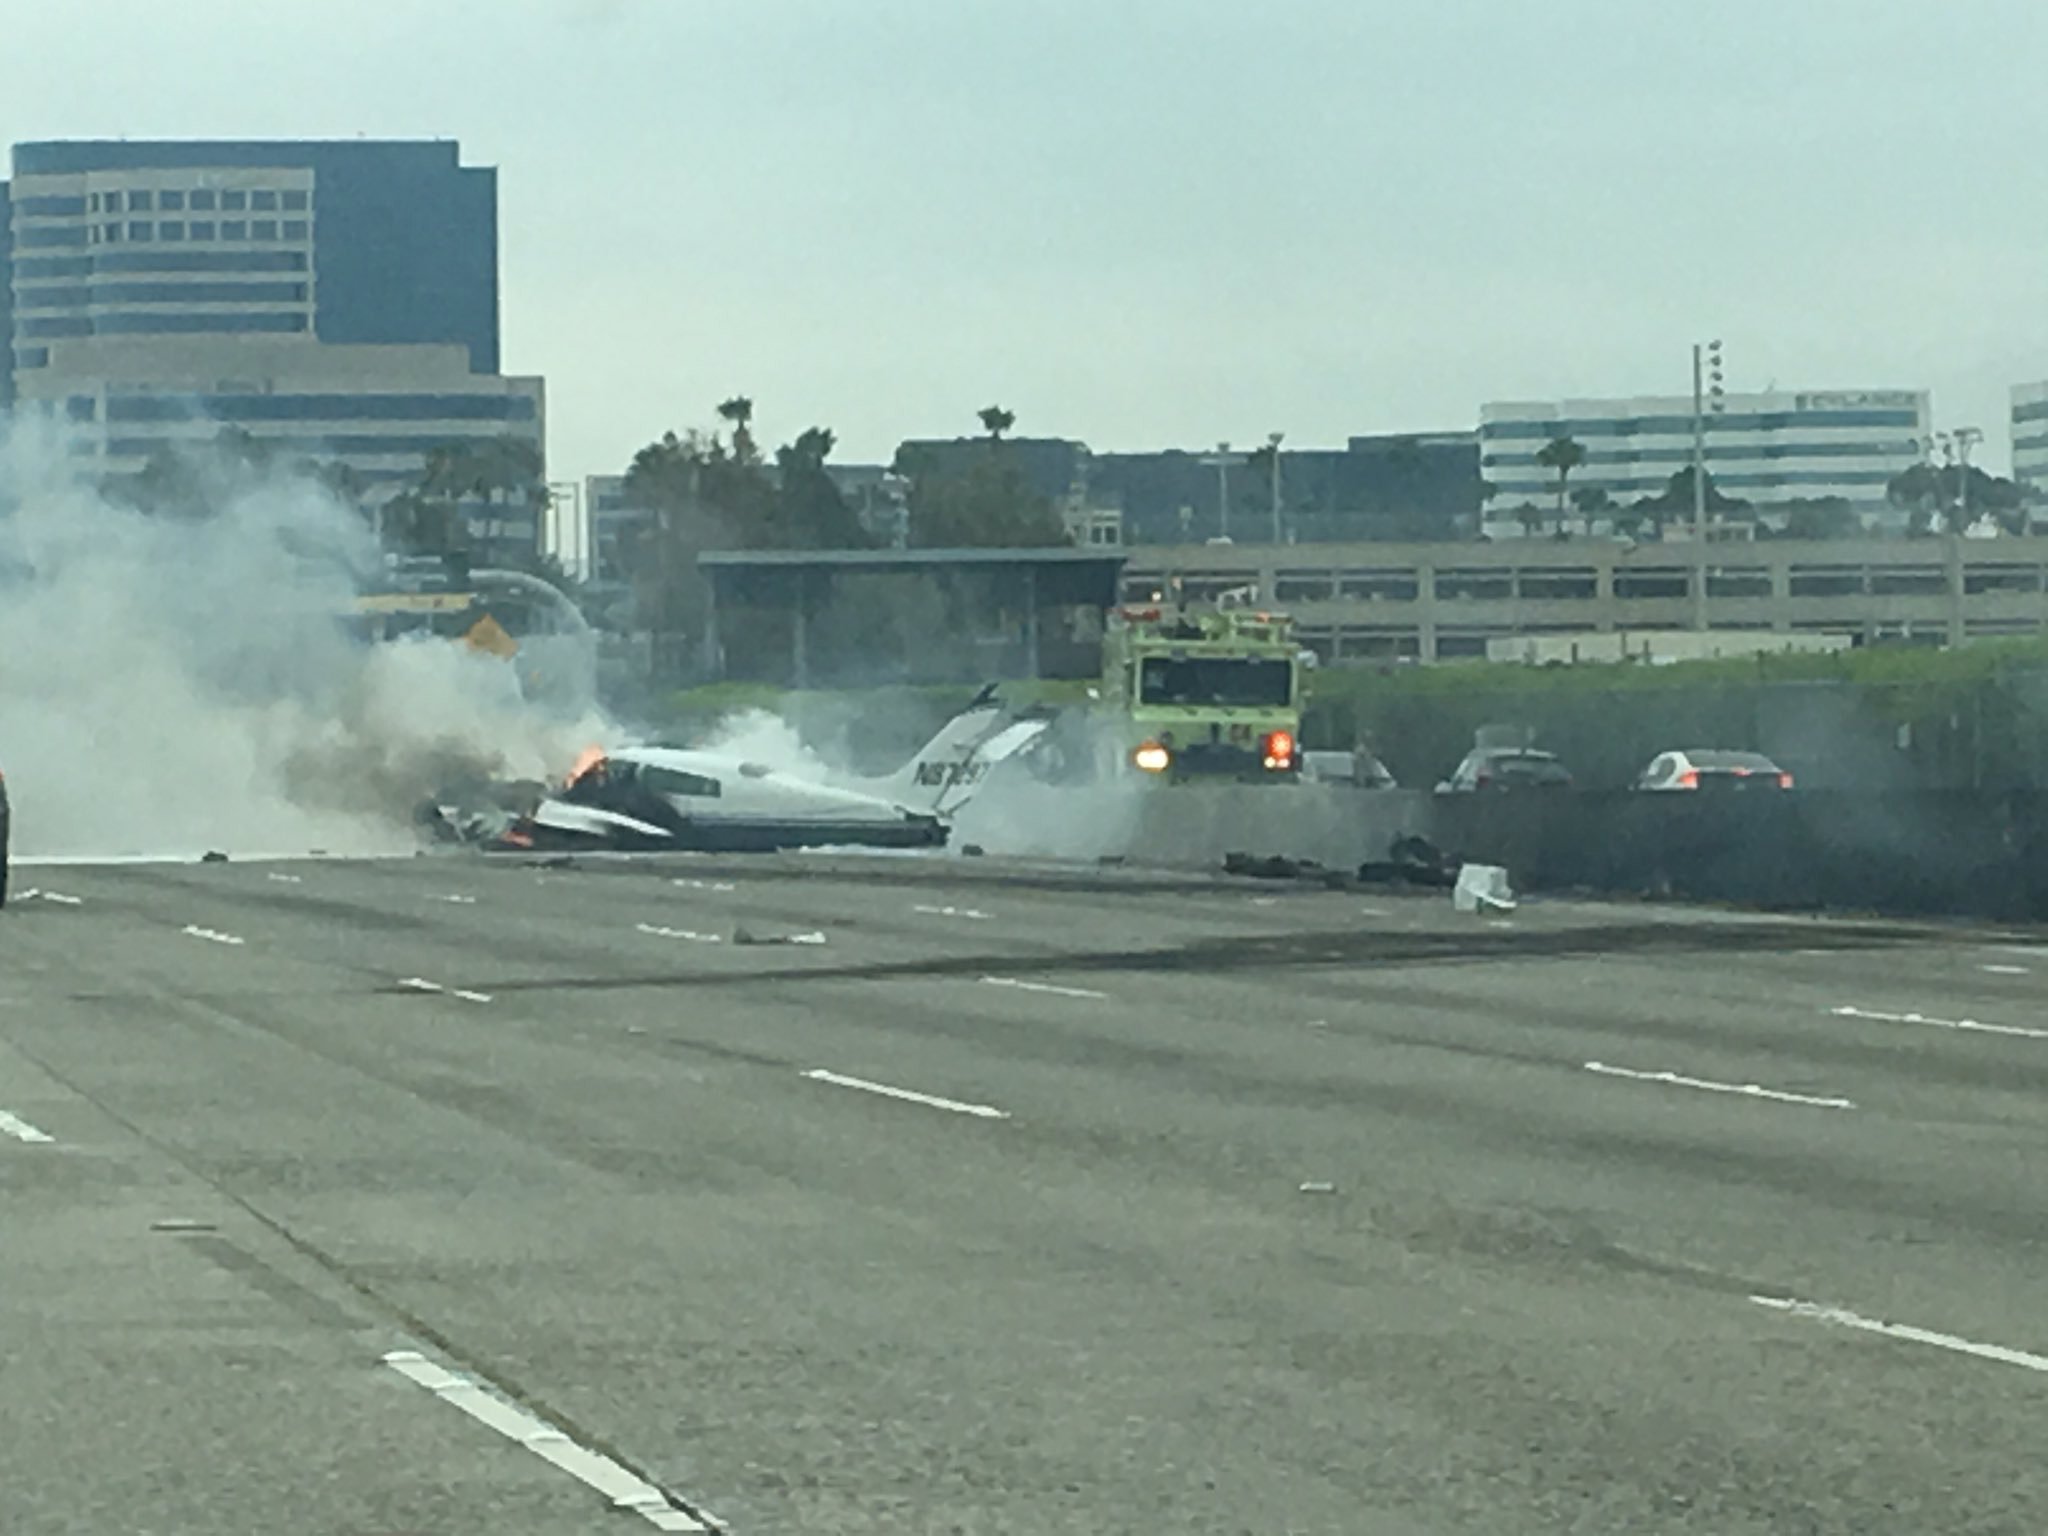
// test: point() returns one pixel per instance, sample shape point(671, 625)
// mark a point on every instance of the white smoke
point(764, 737)
point(170, 685)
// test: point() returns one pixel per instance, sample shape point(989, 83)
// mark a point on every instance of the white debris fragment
point(1482, 888)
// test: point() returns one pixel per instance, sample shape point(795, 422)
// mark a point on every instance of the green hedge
point(1976, 716)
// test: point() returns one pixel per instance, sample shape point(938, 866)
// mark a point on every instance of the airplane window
point(673, 781)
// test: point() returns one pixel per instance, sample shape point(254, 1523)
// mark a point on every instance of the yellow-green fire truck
point(1192, 695)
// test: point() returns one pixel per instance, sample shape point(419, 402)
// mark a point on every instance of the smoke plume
point(172, 684)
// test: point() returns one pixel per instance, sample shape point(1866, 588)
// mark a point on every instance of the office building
point(336, 300)
point(2030, 437)
point(1767, 449)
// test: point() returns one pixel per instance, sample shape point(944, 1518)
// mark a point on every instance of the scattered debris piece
point(1483, 888)
point(748, 936)
point(1318, 1187)
point(1412, 860)
point(1280, 867)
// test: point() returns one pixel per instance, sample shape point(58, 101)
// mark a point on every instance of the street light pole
point(1223, 458)
point(1703, 359)
point(1966, 437)
point(1273, 440)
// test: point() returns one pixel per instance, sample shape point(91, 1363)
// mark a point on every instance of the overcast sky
point(1151, 223)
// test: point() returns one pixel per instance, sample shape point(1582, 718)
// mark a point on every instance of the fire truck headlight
point(1152, 758)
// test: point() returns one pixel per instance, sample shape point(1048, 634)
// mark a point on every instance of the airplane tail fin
point(945, 773)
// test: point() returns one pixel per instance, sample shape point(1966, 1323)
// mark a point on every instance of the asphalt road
point(439, 1196)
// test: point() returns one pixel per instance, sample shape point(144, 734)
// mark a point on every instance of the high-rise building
point(1763, 448)
point(334, 300)
point(2030, 435)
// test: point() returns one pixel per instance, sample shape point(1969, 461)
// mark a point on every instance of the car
point(1711, 769)
point(1501, 768)
point(1358, 768)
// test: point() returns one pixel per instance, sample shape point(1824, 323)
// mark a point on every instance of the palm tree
point(996, 421)
point(739, 410)
point(1563, 455)
point(1591, 501)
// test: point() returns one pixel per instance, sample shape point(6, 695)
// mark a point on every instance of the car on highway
point(1358, 768)
point(1711, 769)
point(1504, 768)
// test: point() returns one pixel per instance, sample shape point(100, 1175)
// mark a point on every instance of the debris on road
point(1280, 867)
point(748, 936)
point(1318, 1187)
point(1412, 860)
point(1483, 888)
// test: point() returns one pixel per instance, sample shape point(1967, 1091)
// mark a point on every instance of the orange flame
point(589, 758)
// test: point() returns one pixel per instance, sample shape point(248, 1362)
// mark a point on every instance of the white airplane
point(648, 798)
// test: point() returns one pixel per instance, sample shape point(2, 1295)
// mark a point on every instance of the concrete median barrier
point(1909, 852)
point(1337, 825)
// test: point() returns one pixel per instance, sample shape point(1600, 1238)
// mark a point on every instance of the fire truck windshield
point(1262, 682)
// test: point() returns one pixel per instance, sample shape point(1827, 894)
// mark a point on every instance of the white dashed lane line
point(1708, 1085)
point(908, 1095)
point(622, 1488)
point(455, 898)
point(969, 913)
point(21, 1130)
point(704, 885)
point(1842, 1317)
point(421, 984)
point(1928, 1021)
point(286, 879)
point(1040, 986)
point(2006, 970)
point(656, 931)
point(211, 935)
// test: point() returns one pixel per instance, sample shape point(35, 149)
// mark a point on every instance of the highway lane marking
point(1972, 1026)
point(910, 1095)
point(421, 984)
point(1708, 1085)
point(621, 1487)
point(1842, 1317)
point(655, 930)
point(456, 899)
point(969, 913)
point(2006, 970)
point(211, 935)
point(35, 893)
point(21, 1130)
point(1040, 986)
point(286, 879)
point(705, 885)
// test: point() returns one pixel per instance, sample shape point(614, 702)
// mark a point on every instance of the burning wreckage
point(656, 798)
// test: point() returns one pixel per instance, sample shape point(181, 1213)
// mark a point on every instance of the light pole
point(1273, 441)
point(1223, 458)
point(1966, 438)
point(1706, 372)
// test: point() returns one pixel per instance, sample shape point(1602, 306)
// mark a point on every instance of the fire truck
point(1202, 695)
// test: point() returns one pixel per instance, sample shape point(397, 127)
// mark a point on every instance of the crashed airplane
point(641, 799)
